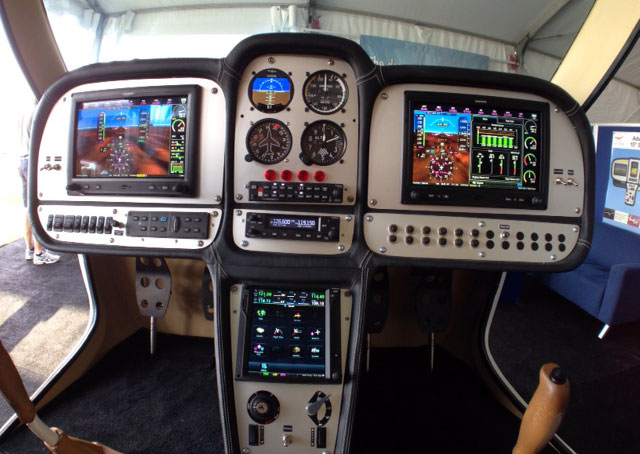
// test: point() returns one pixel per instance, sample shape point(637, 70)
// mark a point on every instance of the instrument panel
point(296, 132)
point(282, 165)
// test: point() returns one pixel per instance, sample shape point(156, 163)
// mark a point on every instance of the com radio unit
point(138, 141)
point(466, 150)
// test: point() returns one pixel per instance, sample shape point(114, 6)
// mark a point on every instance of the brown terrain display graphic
point(270, 97)
point(448, 160)
point(150, 157)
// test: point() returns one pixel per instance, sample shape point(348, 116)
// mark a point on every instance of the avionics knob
point(263, 407)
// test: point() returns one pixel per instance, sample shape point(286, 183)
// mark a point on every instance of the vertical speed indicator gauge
point(323, 143)
point(270, 90)
point(268, 141)
point(325, 92)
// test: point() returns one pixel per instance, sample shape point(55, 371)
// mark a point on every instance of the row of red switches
point(287, 175)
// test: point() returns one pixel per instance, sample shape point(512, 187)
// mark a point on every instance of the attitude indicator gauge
point(268, 141)
point(270, 90)
point(325, 92)
point(323, 143)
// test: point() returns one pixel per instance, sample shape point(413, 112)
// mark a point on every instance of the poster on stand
point(622, 204)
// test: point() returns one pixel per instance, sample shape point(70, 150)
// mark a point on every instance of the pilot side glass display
point(288, 334)
point(141, 135)
point(461, 150)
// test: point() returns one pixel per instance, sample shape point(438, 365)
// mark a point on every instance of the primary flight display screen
point(143, 134)
point(288, 334)
point(465, 150)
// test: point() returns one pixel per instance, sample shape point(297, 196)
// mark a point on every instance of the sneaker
point(28, 254)
point(45, 258)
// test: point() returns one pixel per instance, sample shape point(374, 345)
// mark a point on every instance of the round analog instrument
point(268, 141)
point(441, 167)
point(325, 92)
point(323, 143)
point(270, 90)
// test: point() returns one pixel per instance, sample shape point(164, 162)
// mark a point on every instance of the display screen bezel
point(418, 194)
point(333, 362)
point(158, 185)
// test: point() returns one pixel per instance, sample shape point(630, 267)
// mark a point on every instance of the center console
point(290, 346)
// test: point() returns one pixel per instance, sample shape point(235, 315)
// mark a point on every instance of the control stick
point(545, 411)
point(55, 440)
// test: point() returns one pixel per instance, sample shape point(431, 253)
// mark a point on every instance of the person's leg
point(28, 235)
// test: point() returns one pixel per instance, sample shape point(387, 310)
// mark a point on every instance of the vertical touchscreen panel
point(287, 333)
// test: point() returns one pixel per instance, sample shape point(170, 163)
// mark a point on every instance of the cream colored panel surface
point(119, 213)
point(292, 246)
point(386, 155)
point(295, 117)
point(55, 146)
point(468, 238)
point(292, 396)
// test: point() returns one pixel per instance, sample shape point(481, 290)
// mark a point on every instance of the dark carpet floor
point(404, 408)
point(604, 410)
point(137, 403)
point(43, 312)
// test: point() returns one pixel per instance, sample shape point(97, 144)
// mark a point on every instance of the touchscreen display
point(131, 137)
point(287, 333)
point(460, 145)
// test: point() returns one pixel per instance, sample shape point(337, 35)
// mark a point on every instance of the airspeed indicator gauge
point(268, 141)
point(325, 92)
point(323, 143)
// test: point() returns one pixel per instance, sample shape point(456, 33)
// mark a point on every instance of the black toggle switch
point(254, 438)
point(321, 438)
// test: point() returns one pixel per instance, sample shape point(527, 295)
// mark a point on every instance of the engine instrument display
point(323, 143)
point(268, 141)
point(325, 92)
point(463, 150)
point(270, 90)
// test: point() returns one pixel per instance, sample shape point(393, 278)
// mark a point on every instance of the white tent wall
point(619, 103)
point(207, 31)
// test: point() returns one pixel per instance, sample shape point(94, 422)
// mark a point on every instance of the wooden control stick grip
point(545, 411)
point(13, 389)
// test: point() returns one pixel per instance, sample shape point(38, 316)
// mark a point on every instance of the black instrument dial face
point(323, 143)
point(270, 90)
point(268, 141)
point(325, 92)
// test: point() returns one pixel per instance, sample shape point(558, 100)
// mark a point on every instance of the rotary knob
point(317, 401)
point(263, 407)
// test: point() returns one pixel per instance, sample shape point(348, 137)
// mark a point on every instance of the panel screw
point(481, 224)
point(341, 247)
point(40, 209)
point(200, 243)
point(578, 210)
point(218, 198)
point(348, 218)
point(39, 194)
point(57, 236)
point(331, 62)
point(214, 90)
point(238, 212)
point(575, 229)
point(271, 60)
point(382, 249)
point(234, 288)
point(373, 202)
point(369, 218)
point(238, 196)
point(111, 240)
point(246, 451)
point(244, 243)
point(482, 254)
point(347, 293)
point(350, 199)
point(555, 109)
point(553, 257)
point(115, 211)
point(384, 96)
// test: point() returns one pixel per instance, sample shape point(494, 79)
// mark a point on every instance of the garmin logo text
point(480, 101)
